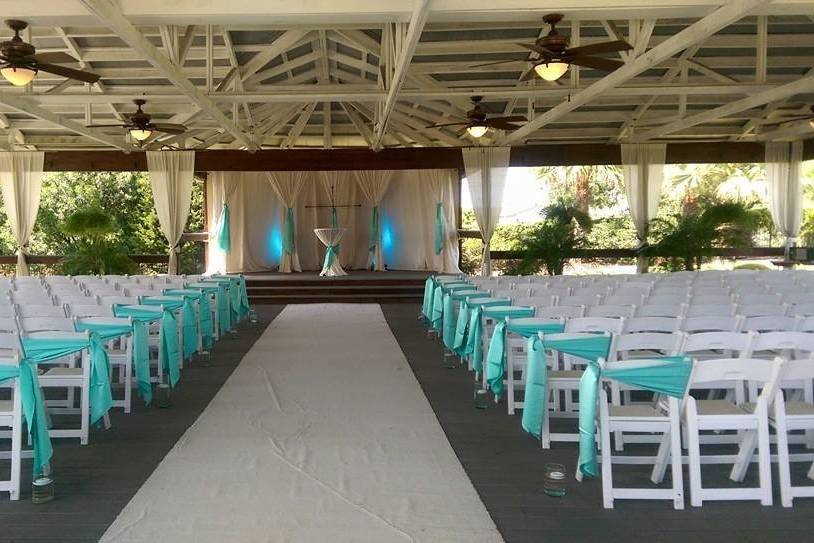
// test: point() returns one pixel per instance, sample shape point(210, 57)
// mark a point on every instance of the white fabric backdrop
point(373, 184)
point(288, 186)
point(171, 175)
point(783, 162)
point(21, 185)
point(486, 171)
point(643, 170)
point(407, 215)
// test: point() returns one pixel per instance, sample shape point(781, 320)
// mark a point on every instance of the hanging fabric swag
point(21, 185)
point(783, 162)
point(288, 185)
point(373, 184)
point(486, 172)
point(643, 171)
point(171, 176)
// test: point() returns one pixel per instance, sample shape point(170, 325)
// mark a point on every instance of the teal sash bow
point(429, 291)
point(331, 252)
point(239, 295)
point(373, 235)
point(664, 375)
point(534, 398)
point(204, 310)
point(189, 330)
point(34, 412)
point(141, 348)
point(437, 315)
point(460, 295)
point(43, 346)
point(223, 238)
point(500, 312)
point(169, 327)
point(448, 317)
point(440, 228)
point(473, 348)
point(221, 302)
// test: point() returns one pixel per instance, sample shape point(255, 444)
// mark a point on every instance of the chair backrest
point(30, 310)
point(590, 291)
point(751, 298)
point(736, 371)
point(595, 324)
point(662, 325)
point(769, 324)
point(89, 310)
point(40, 297)
point(39, 324)
point(586, 300)
point(798, 370)
point(805, 310)
point(560, 311)
point(653, 343)
point(695, 325)
point(711, 310)
point(794, 296)
point(624, 299)
point(7, 310)
point(804, 324)
point(763, 310)
point(113, 300)
point(665, 310)
point(10, 339)
point(8, 324)
point(507, 293)
point(666, 299)
point(733, 342)
point(559, 291)
point(799, 342)
point(537, 301)
point(75, 299)
point(611, 311)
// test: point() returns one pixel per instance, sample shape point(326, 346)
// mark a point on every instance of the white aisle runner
point(321, 434)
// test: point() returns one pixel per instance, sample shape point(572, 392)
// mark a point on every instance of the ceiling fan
point(554, 55)
point(139, 125)
point(478, 122)
point(809, 118)
point(19, 62)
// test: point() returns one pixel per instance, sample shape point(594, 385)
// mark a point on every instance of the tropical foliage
point(555, 239)
point(95, 246)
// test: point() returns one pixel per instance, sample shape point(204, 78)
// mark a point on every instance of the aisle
point(322, 433)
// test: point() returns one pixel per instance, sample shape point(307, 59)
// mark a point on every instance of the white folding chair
point(656, 299)
point(11, 416)
point(664, 325)
point(749, 419)
point(30, 310)
point(516, 360)
point(694, 325)
point(624, 299)
point(768, 324)
point(666, 310)
point(751, 298)
point(763, 310)
point(711, 310)
point(615, 311)
point(119, 353)
point(587, 300)
point(559, 311)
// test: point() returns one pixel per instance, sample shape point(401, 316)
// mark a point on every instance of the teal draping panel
point(204, 310)
point(223, 237)
point(429, 290)
point(459, 295)
point(534, 398)
point(373, 235)
point(288, 231)
point(440, 228)
point(496, 359)
point(169, 343)
point(33, 405)
point(664, 375)
point(334, 218)
point(141, 347)
point(448, 316)
point(189, 330)
point(585, 345)
point(437, 316)
point(500, 312)
point(528, 327)
point(331, 253)
point(41, 347)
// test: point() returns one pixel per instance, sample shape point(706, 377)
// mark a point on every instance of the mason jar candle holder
point(253, 316)
point(554, 480)
point(42, 490)
point(481, 397)
point(162, 396)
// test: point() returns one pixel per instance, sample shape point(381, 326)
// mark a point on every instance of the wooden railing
point(56, 259)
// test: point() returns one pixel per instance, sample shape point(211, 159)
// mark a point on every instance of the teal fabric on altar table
point(108, 329)
point(189, 328)
point(33, 405)
point(500, 312)
point(169, 329)
point(440, 228)
point(664, 375)
point(43, 346)
point(223, 236)
point(204, 310)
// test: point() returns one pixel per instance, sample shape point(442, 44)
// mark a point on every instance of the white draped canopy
point(21, 185)
point(287, 185)
point(783, 162)
point(643, 171)
point(171, 176)
point(486, 171)
point(406, 214)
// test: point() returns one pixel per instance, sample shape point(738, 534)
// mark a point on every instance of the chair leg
point(510, 382)
point(84, 410)
point(783, 466)
point(660, 467)
point(618, 436)
point(675, 457)
point(16, 446)
point(694, 452)
point(607, 468)
point(748, 442)
point(764, 459)
point(545, 432)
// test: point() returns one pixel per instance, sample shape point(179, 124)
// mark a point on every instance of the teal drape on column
point(33, 405)
point(440, 228)
point(664, 375)
point(288, 233)
point(223, 236)
point(373, 235)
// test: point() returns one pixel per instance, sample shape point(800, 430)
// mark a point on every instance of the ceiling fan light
point(477, 130)
point(18, 76)
point(140, 134)
point(551, 71)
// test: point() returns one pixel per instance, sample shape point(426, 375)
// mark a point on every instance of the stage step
point(373, 289)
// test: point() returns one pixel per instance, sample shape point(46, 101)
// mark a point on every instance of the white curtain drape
point(643, 171)
point(406, 216)
point(783, 162)
point(288, 185)
point(171, 176)
point(486, 171)
point(373, 185)
point(440, 182)
point(21, 185)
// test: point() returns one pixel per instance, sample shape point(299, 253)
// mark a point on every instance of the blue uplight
point(275, 245)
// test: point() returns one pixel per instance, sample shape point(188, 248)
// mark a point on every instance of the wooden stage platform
point(357, 287)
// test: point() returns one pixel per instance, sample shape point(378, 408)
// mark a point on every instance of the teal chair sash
point(460, 295)
point(473, 346)
point(239, 294)
point(43, 346)
point(528, 327)
point(204, 310)
point(189, 330)
point(169, 338)
point(588, 346)
point(429, 290)
point(448, 323)
point(500, 312)
point(221, 302)
point(108, 328)
point(34, 412)
point(534, 398)
point(440, 228)
point(437, 316)
point(664, 375)
point(454, 287)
